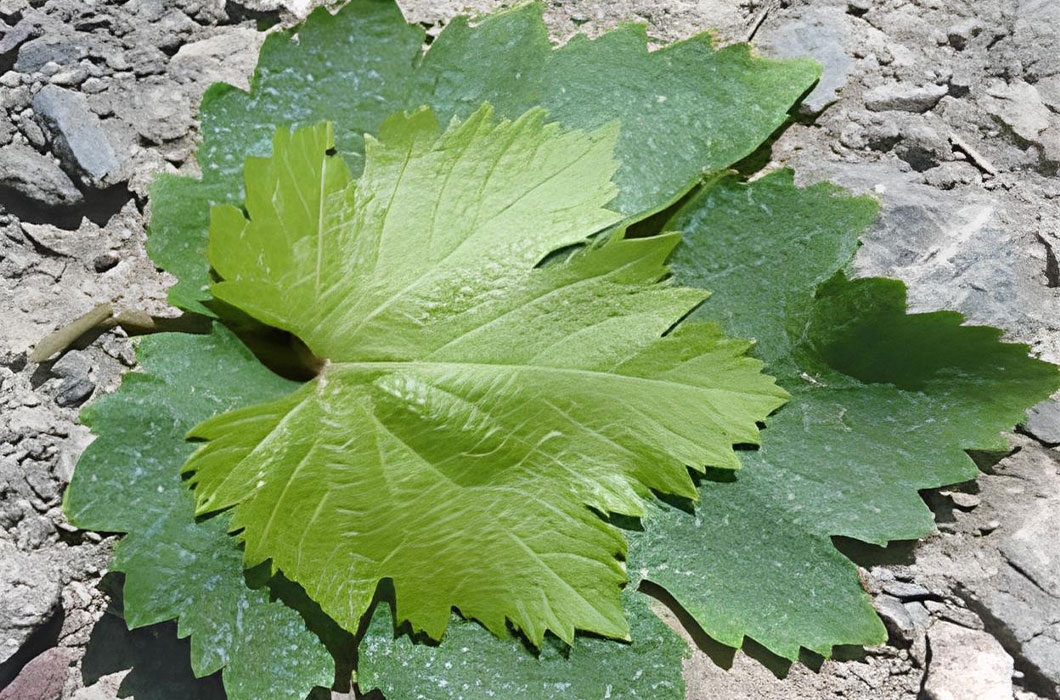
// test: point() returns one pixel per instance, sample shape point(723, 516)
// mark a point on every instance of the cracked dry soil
point(947, 110)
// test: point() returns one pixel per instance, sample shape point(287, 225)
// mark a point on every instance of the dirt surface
point(947, 110)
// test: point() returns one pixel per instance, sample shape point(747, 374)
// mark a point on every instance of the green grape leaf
point(473, 405)
point(684, 110)
point(471, 664)
point(128, 481)
point(883, 404)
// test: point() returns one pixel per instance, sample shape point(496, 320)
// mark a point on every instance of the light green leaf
point(128, 481)
point(884, 404)
point(471, 664)
point(684, 109)
point(473, 406)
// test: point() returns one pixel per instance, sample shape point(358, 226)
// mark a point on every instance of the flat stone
point(1034, 548)
point(158, 113)
point(29, 596)
point(820, 34)
point(42, 678)
point(77, 136)
point(1043, 422)
point(225, 58)
point(48, 48)
point(900, 97)
point(965, 501)
point(957, 249)
point(905, 591)
point(37, 178)
point(73, 363)
point(1019, 107)
point(1021, 597)
point(966, 665)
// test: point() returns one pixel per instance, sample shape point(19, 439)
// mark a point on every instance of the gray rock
point(69, 76)
point(1033, 548)
point(1043, 422)
point(1037, 32)
point(29, 596)
point(116, 60)
point(920, 616)
point(901, 97)
point(37, 178)
point(1049, 141)
point(42, 678)
point(960, 250)
point(896, 617)
point(22, 32)
point(148, 10)
point(77, 136)
point(297, 8)
point(1022, 603)
point(48, 48)
point(1018, 106)
point(16, 99)
point(882, 135)
point(49, 69)
point(905, 591)
point(1049, 91)
point(1044, 653)
point(31, 130)
point(74, 391)
point(966, 665)
point(229, 57)
point(7, 130)
point(949, 175)
point(93, 86)
point(173, 30)
point(959, 34)
point(146, 59)
point(922, 147)
point(951, 613)
point(820, 34)
point(74, 363)
point(158, 113)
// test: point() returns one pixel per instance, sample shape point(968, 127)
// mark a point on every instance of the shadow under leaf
point(159, 663)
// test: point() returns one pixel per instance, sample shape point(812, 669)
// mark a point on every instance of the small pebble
point(965, 501)
point(104, 262)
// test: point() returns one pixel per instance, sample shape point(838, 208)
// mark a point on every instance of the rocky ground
point(948, 110)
